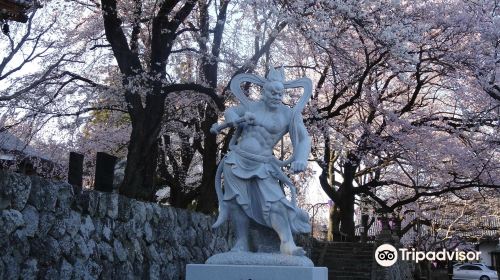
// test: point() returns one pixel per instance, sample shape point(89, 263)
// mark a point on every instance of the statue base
point(254, 272)
point(264, 259)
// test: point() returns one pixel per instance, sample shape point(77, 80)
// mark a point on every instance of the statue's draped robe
point(252, 180)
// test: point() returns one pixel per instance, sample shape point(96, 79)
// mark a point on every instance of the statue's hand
point(298, 166)
point(249, 118)
point(215, 129)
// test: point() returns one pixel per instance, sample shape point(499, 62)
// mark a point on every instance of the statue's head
point(272, 94)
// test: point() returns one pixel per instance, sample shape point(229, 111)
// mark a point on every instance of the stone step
point(345, 257)
point(336, 277)
point(357, 276)
point(355, 249)
point(335, 266)
point(345, 261)
point(345, 249)
point(340, 253)
point(349, 268)
point(348, 278)
point(351, 273)
point(346, 244)
point(342, 262)
point(342, 256)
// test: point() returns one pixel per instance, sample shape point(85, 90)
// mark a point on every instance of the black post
point(75, 169)
point(104, 172)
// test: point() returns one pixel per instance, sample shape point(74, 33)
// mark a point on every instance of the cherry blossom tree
point(41, 91)
point(391, 117)
point(148, 44)
point(405, 107)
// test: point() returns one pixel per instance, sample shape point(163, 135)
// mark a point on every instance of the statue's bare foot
point(240, 246)
point(290, 248)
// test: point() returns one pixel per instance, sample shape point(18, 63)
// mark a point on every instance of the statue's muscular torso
point(268, 129)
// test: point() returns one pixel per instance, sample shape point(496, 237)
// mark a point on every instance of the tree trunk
point(342, 214)
point(333, 223)
point(177, 198)
point(364, 225)
point(142, 157)
point(207, 202)
point(346, 207)
point(346, 198)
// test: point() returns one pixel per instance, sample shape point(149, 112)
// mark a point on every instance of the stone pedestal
point(254, 272)
point(266, 259)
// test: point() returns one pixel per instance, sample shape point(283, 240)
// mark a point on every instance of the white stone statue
point(251, 172)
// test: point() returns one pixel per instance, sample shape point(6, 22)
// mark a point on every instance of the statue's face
point(273, 94)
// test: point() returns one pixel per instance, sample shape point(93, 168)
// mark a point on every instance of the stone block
point(83, 250)
point(19, 243)
point(149, 211)
point(154, 272)
point(156, 213)
point(12, 268)
point(48, 273)
point(10, 220)
point(105, 251)
point(30, 214)
point(253, 272)
point(139, 212)
point(135, 249)
point(46, 222)
point(120, 252)
point(108, 270)
point(86, 269)
point(124, 208)
point(87, 202)
point(86, 227)
point(112, 205)
point(107, 233)
point(149, 233)
point(124, 271)
point(2, 269)
point(183, 218)
point(43, 194)
point(152, 254)
point(58, 229)
point(65, 196)
point(29, 270)
point(66, 244)
point(65, 271)
point(14, 190)
point(73, 223)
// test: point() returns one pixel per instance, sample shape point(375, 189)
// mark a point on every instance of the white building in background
point(489, 248)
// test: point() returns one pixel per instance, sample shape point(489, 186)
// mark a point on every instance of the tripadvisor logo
point(387, 255)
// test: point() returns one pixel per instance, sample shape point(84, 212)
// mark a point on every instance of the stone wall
point(52, 230)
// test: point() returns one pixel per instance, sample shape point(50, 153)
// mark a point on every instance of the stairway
point(345, 260)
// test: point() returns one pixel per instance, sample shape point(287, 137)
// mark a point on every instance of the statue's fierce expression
point(273, 94)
